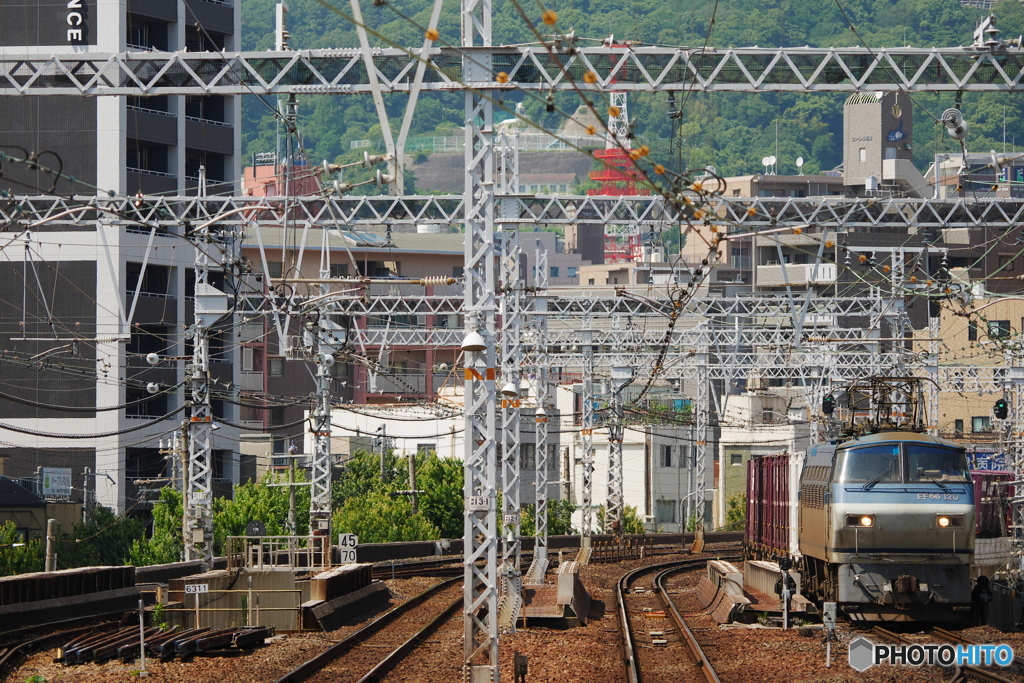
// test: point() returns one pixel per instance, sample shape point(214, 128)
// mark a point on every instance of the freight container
point(767, 529)
point(992, 494)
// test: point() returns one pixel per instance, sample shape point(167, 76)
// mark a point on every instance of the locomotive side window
point(870, 464)
point(936, 463)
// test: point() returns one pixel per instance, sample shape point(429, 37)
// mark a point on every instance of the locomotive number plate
point(938, 496)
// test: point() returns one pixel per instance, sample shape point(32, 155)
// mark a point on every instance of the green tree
point(18, 556)
point(441, 480)
point(559, 518)
point(380, 518)
point(104, 541)
point(363, 475)
point(735, 513)
point(165, 545)
point(632, 522)
point(264, 501)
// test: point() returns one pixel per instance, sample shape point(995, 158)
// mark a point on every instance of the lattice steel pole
point(621, 377)
point(587, 440)
point(700, 415)
point(539, 566)
point(330, 338)
point(1014, 443)
point(511, 363)
point(210, 306)
point(480, 583)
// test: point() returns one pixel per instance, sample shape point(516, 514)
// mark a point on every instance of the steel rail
point(963, 672)
point(378, 672)
point(1018, 661)
point(696, 651)
point(311, 666)
point(628, 643)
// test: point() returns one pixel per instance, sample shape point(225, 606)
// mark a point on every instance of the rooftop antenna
point(800, 165)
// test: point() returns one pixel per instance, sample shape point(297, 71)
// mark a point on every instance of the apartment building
point(98, 293)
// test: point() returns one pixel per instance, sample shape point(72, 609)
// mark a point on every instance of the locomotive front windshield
point(913, 463)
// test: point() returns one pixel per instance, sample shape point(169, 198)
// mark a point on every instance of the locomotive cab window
point(886, 464)
point(879, 464)
point(927, 463)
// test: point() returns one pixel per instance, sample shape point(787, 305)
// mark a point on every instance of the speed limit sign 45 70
point(347, 544)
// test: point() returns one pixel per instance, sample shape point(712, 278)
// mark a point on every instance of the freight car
point(882, 524)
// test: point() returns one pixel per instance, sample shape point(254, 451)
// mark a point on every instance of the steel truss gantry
point(529, 67)
point(616, 213)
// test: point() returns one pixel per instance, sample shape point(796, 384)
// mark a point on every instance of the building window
point(554, 271)
point(528, 456)
point(458, 271)
point(958, 427)
point(590, 281)
point(1006, 262)
point(276, 366)
point(998, 329)
point(863, 155)
point(980, 423)
point(426, 448)
point(552, 456)
point(735, 458)
point(735, 193)
point(571, 271)
point(275, 268)
point(666, 456)
point(665, 511)
point(339, 270)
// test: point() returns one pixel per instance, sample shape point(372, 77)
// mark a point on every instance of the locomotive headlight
point(949, 521)
point(860, 520)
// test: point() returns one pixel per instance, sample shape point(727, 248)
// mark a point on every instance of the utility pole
point(89, 493)
point(382, 444)
point(293, 518)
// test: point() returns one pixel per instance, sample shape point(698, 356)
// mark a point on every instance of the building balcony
point(209, 136)
point(152, 125)
point(151, 182)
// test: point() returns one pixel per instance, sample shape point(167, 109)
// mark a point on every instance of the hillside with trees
point(729, 131)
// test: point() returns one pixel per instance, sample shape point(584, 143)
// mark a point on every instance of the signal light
point(828, 405)
point(1001, 409)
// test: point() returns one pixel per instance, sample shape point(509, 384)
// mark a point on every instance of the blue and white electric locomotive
point(886, 526)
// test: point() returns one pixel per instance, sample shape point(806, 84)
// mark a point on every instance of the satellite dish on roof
point(800, 164)
point(766, 162)
point(772, 160)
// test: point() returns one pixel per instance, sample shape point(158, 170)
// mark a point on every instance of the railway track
point(396, 633)
point(961, 673)
point(649, 648)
